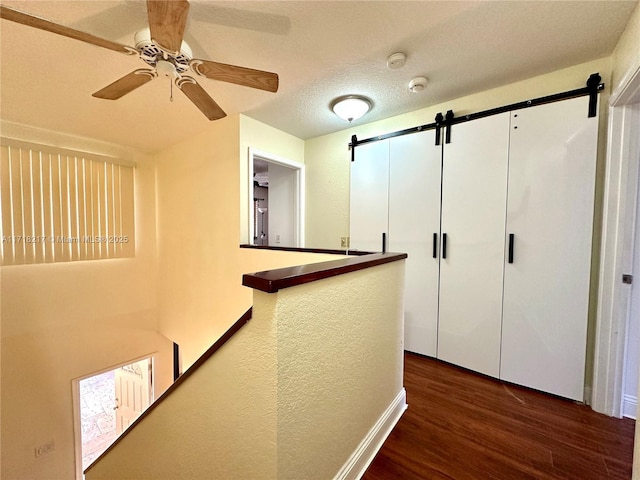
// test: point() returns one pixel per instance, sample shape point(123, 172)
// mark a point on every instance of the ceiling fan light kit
point(160, 46)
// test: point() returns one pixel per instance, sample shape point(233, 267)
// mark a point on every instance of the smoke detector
point(418, 84)
point(396, 60)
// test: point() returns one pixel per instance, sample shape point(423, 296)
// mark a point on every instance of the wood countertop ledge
point(271, 281)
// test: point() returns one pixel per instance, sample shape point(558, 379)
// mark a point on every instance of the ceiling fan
point(162, 48)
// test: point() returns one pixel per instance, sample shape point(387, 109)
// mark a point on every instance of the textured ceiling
point(320, 49)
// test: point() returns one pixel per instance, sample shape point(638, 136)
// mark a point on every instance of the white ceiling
point(320, 49)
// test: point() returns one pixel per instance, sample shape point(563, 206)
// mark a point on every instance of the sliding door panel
point(474, 183)
point(550, 218)
point(369, 196)
point(414, 219)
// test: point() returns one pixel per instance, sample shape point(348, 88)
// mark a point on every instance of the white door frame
point(299, 189)
point(620, 197)
point(75, 397)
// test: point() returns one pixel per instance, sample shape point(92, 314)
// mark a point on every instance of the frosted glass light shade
point(351, 107)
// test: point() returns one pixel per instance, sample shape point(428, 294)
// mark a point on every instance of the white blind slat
point(68, 238)
point(6, 210)
point(117, 211)
point(15, 165)
point(56, 201)
point(73, 208)
point(83, 210)
point(127, 215)
point(47, 205)
point(60, 207)
point(109, 220)
point(97, 217)
point(29, 214)
point(36, 205)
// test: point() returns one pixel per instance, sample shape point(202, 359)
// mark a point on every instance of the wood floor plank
point(465, 426)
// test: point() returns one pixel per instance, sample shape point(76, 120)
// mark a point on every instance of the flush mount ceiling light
point(351, 107)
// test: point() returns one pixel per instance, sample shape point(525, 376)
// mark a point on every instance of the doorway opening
point(106, 404)
point(276, 201)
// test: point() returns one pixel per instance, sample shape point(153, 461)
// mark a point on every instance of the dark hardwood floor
point(460, 425)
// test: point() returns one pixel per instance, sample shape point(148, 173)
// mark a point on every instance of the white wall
point(197, 185)
point(68, 320)
point(200, 225)
point(340, 366)
point(271, 141)
point(282, 202)
point(219, 423)
point(291, 396)
point(60, 322)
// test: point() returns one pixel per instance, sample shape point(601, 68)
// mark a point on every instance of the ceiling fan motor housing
point(151, 53)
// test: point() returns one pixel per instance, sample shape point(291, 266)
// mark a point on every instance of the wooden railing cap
point(271, 281)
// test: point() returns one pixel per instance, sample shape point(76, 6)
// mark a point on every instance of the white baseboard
point(362, 457)
point(629, 406)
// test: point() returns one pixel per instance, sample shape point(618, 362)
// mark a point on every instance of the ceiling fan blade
point(167, 21)
point(200, 98)
point(36, 22)
point(247, 77)
point(126, 84)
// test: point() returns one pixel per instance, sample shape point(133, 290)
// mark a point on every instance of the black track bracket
point(439, 119)
point(593, 85)
point(354, 142)
point(448, 119)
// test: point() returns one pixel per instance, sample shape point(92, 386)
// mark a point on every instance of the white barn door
point(414, 228)
point(552, 165)
point(369, 197)
point(474, 192)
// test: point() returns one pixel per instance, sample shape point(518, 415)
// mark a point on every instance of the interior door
point(369, 196)
point(474, 188)
point(550, 218)
point(132, 383)
point(414, 228)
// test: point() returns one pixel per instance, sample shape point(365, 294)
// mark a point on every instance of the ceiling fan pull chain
point(171, 96)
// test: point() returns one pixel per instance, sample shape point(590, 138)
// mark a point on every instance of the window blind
point(58, 205)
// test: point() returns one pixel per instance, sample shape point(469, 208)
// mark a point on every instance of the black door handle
point(444, 245)
point(511, 246)
point(435, 245)
point(384, 242)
